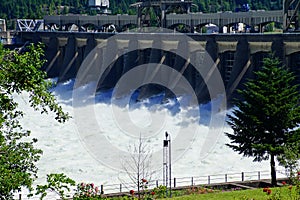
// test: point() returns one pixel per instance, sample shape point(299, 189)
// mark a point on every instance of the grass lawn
point(282, 193)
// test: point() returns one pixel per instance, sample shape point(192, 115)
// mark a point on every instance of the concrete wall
point(236, 55)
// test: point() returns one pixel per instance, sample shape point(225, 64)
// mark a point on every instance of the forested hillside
point(12, 9)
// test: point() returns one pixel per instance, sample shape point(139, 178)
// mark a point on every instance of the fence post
point(192, 181)
point(20, 196)
point(242, 176)
point(121, 187)
point(101, 189)
point(225, 178)
point(208, 179)
point(174, 182)
point(258, 174)
point(156, 183)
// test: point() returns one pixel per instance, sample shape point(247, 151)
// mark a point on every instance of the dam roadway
point(235, 56)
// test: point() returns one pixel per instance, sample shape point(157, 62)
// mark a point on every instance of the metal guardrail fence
point(192, 181)
point(176, 182)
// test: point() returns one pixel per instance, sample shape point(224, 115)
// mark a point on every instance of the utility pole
point(167, 163)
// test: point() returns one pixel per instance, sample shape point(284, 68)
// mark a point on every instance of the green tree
point(267, 118)
point(65, 10)
point(289, 160)
point(20, 72)
point(58, 183)
point(270, 27)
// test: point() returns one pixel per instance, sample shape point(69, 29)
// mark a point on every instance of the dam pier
point(236, 56)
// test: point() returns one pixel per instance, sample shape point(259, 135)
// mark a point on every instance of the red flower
point(298, 173)
point(92, 185)
point(131, 192)
point(283, 183)
point(152, 193)
point(97, 189)
point(269, 191)
point(265, 189)
point(290, 187)
point(144, 180)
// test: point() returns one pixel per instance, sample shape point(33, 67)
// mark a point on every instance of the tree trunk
point(273, 171)
point(138, 184)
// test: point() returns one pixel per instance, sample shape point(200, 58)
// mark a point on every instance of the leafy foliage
point(267, 118)
point(58, 183)
point(160, 191)
point(290, 161)
point(87, 191)
point(20, 71)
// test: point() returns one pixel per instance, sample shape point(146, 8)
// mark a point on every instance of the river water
point(66, 150)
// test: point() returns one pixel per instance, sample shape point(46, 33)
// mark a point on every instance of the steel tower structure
point(291, 14)
point(154, 11)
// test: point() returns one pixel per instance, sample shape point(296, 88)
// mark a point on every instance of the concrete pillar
point(52, 53)
point(190, 73)
point(155, 58)
point(212, 47)
point(181, 64)
point(80, 51)
point(139, 16)
point(110, 61)
point(241, 58)
point(261, 28)
point(188, 8)
point(90, 69)
point(297, 24)
point(278, 50)
point(131, 59)
point(68, 71)
point(90, 45)
point(163, 16)
point(293, 61)
point(207, 63)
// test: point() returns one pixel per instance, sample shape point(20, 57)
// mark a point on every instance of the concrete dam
point(211, 64)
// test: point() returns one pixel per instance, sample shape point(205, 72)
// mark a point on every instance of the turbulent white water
point(65, 151)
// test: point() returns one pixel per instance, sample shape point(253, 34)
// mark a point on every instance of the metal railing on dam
point(234, 56)
point(251, 18)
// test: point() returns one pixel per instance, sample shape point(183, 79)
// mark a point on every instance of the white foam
point(65, 153)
